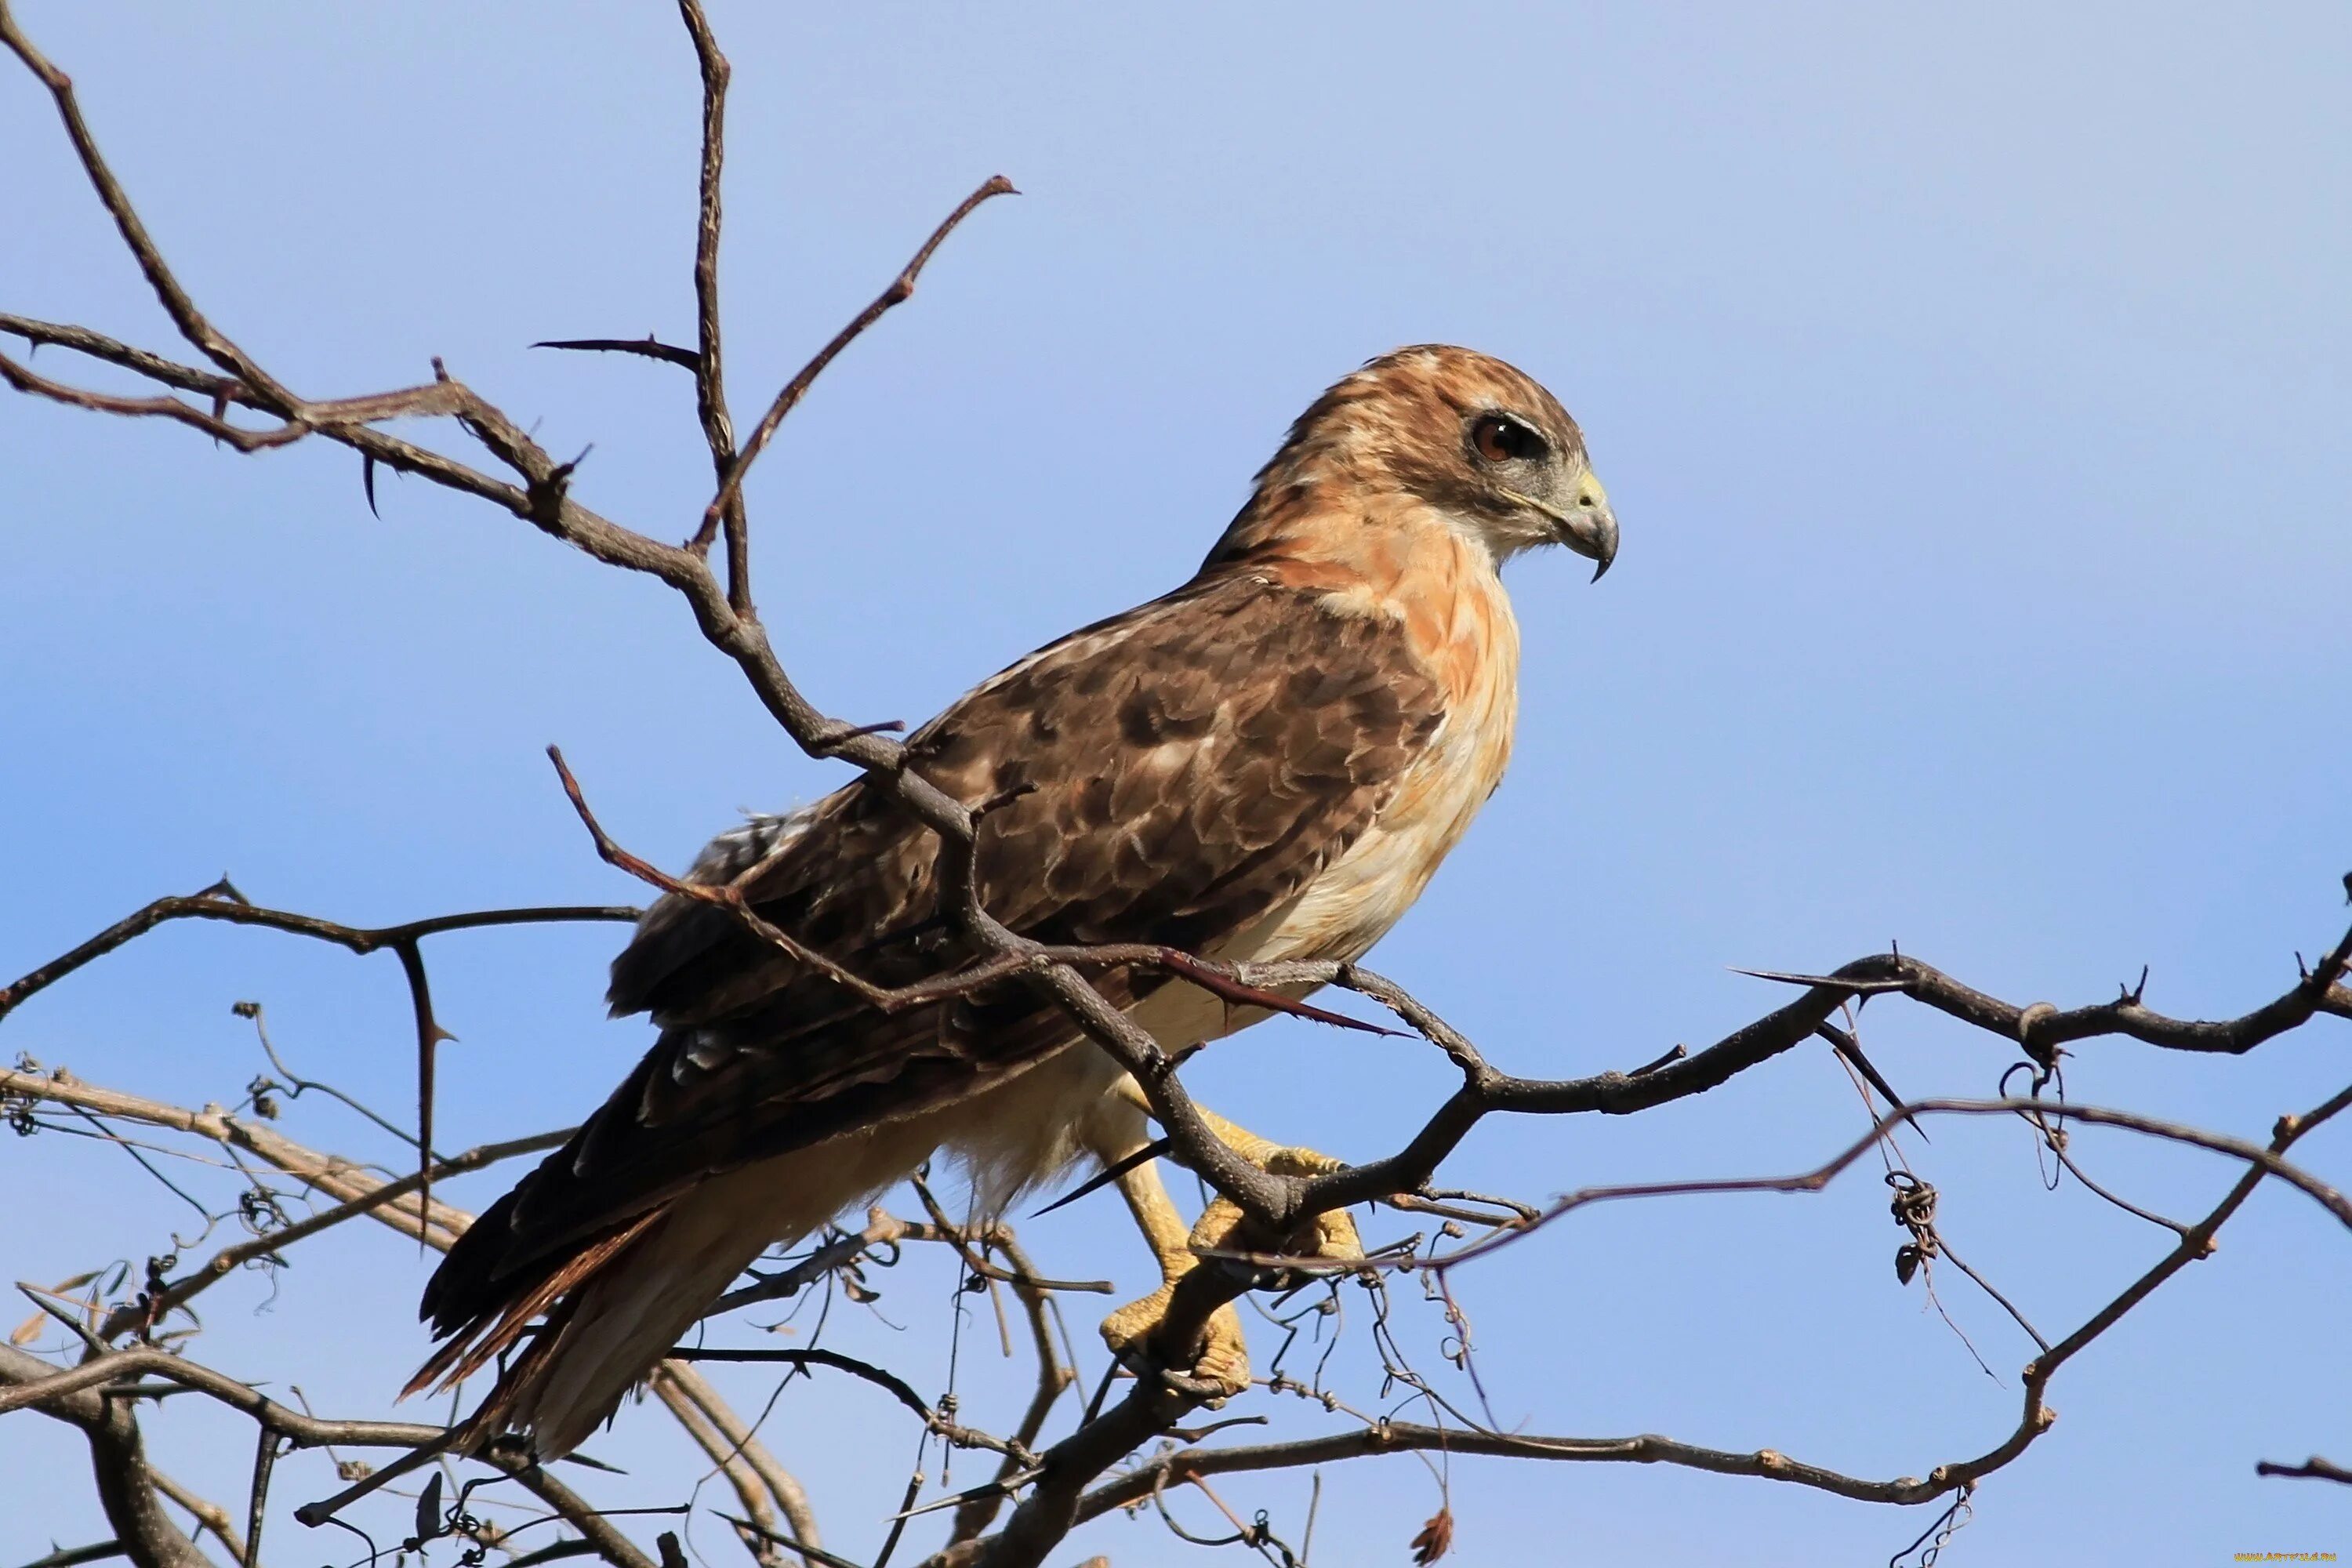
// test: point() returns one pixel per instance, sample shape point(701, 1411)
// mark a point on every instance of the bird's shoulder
point(1151, 775)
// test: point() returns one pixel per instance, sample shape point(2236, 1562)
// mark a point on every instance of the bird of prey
point(1266, 763)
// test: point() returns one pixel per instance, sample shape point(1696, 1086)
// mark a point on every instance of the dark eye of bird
point(1500, 439)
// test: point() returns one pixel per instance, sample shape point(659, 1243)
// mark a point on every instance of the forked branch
point(1060, 1484)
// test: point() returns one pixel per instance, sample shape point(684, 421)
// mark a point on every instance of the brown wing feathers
point(1191, 765)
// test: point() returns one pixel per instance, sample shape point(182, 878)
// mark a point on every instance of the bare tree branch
point(200, 332)
point(1050, 1488)
point(222, 902)
point(889, 1382)
point(2266, 1161)
point(709, 371)
point(1054, 1379)
point(153, 366)
point(152, 1309)
point(126, 1485)
point(729, 1462)
point(901, 289)
point(544, 500)
point(744, 1445)
point(74, 1557)
point(2314, 1468)
point(209, 1515)
point(430, 1221)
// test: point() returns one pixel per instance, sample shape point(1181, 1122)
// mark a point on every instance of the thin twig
point(901, 289)
point(709, 362)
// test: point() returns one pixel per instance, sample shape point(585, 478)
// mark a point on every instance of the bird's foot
point(1216, 1359)
point(1331, 1237)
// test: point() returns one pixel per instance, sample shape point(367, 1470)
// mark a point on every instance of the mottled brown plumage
point(1269, 760)
point(1225, 793)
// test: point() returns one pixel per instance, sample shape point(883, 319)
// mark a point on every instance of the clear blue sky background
point(1970, 385)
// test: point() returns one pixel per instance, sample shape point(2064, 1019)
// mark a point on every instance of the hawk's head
point(1475, 442)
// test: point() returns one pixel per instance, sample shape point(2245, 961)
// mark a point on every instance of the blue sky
point(1969, 383)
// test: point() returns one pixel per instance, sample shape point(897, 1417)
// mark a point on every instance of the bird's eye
point(1500, 438)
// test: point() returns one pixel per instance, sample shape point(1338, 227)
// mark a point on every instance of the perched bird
point(1266, 763)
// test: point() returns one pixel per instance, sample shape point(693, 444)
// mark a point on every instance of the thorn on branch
point(1677, 1054)
point(1849, 1049)
point(646, 347)
point(1231, 990)
point(1828, 982)
point(548, 493)
point(1109, 1173)
point(225, 890)
point(1002, 799)
point(848, 733)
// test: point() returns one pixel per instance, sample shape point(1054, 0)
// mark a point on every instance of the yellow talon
point(1220, 1357)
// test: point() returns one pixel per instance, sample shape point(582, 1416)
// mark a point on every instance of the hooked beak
point(1585, 525)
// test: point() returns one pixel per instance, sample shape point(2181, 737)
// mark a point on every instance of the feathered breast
point(1442, 591)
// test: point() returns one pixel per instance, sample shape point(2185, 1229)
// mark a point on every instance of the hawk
point(1266, 763)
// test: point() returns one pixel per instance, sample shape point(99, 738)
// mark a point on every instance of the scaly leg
point(1222, 1358)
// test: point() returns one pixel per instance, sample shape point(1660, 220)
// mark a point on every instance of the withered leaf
point(1436, 1538)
